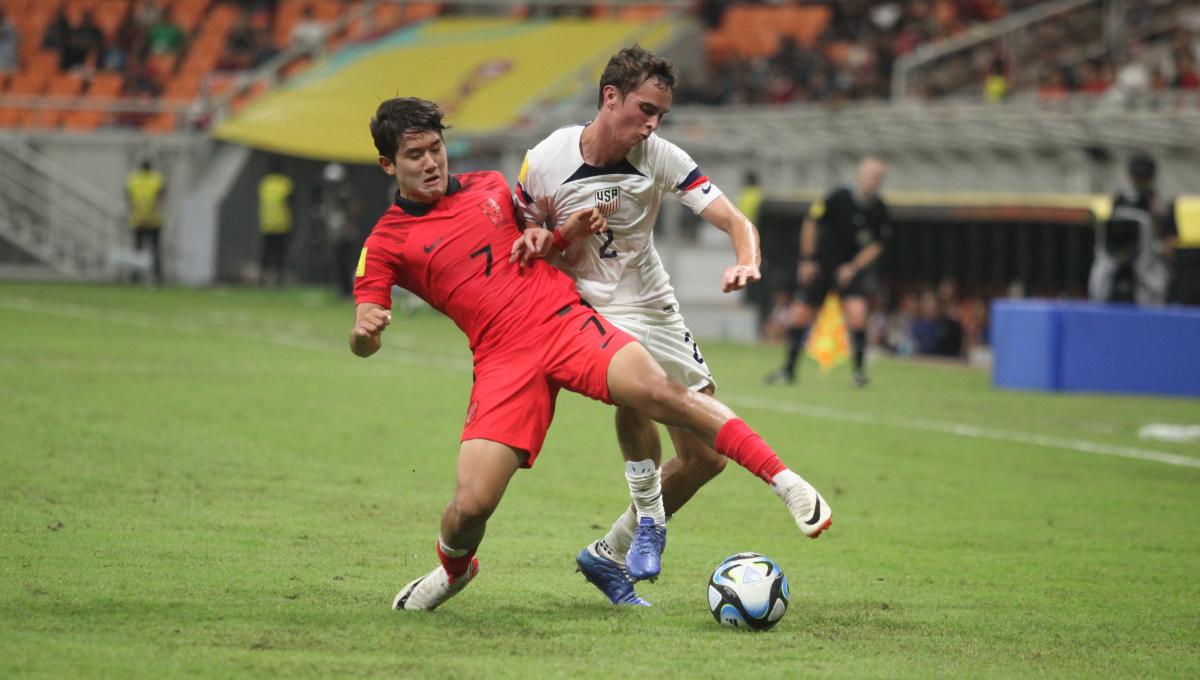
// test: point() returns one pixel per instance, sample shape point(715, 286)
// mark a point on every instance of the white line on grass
point(960, 429)
point(407, 356)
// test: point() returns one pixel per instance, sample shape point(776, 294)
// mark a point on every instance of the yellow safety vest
point(144, 187)
point(274, 215)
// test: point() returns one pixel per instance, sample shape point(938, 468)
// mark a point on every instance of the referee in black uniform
point(841, 238)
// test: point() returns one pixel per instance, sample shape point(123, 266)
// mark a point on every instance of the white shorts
point(663, 333)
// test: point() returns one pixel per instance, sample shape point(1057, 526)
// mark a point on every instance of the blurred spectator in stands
point(55, 36)
point(144, 192)
point(9, 44)
point(995, 85)
point(1186, 76)
point(307, 32)
point(240, 46)
point(128, 40)
point(275, 222)
point(165, 36)
point(140, 85)
point(147, 13)
point(338, 211)
point(84, 45)
point(710, 13)
point(1053, 87)
point(1136, 244)
point(751, 198)
point(263, 47)
point(934, 332)
point(1133, 77)
point(1095, 77)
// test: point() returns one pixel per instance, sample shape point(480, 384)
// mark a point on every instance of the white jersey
point(618, 267)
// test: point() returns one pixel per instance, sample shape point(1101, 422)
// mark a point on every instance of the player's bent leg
point(484, 471)
point(635, 379)
point(694, 465)
point(638, 436)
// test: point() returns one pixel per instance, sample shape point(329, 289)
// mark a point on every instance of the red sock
point(458, 565)
point(743, 446)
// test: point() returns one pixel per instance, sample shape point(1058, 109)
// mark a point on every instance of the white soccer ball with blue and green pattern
point(748, 591)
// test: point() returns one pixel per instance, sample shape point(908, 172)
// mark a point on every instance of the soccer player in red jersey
point(448, 239)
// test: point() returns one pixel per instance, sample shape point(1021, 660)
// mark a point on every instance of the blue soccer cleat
point(644, 560)
point(609, 577)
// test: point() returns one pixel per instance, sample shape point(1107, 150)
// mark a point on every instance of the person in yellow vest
point(275, 221)
point(144, 189)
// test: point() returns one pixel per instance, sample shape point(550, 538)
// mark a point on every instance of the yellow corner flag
point(827, 341)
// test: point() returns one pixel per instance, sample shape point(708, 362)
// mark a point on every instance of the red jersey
point(454, 255)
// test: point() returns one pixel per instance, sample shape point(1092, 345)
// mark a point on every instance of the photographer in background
point(1136, 244)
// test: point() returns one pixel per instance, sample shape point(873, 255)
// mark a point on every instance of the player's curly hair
point(631, 67)
point(402, 116)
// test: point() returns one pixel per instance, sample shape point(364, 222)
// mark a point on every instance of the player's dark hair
point(402, 116)
point(1142, 167)
point(631, 67)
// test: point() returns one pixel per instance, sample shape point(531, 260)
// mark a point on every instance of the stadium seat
point(104, 86)
point(110, 14)
point(51, 118)
point(805, 24)
point(43, 62)
point(29, 84)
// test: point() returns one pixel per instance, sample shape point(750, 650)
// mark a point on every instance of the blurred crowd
point(1147, 46)
point(851, 59)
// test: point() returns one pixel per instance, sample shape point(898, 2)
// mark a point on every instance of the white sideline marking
point(962, 430)
point(447, 362)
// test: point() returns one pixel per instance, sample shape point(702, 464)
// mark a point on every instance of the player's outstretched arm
point(722, 214)
point(370, 320)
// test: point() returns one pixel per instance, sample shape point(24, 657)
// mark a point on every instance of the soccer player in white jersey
point(619, 166)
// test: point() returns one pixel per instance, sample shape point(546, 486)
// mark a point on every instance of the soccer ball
point(748, 590)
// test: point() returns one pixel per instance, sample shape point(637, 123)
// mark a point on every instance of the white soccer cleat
point(433, 589)
point(811, 512)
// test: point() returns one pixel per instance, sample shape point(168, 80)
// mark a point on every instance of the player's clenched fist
point(370, 321)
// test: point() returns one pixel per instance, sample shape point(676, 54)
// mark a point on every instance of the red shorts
point(512, 401)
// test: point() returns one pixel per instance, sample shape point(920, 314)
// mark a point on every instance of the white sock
point(645, 487)
point(784, 481)
point(615, 543)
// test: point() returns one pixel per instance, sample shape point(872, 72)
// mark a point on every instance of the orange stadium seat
point(188, 13)
point(44, 62)
point(419, 11)
point(642, 13)
point(719, 47)
point(105, 86)
point(60, 86)
point(109, 16)
point(327, 11)
point(28, 84)
point(385, 17)
point(179, 91)
point(805, 24)
point(756, 30)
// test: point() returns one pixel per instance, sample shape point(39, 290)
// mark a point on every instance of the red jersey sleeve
point(375, 274)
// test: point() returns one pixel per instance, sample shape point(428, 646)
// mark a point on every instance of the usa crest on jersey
point(608, 200)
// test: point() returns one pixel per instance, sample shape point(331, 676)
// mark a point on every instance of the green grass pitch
point(208, 484)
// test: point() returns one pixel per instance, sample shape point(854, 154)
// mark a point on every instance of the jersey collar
point(422, 209)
